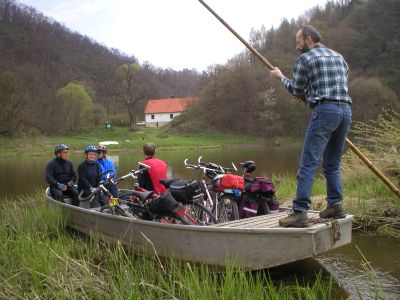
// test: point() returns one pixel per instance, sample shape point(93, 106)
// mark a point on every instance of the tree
point(126, 83)
point(16, 92)
point(133, 85)
point(74, 103)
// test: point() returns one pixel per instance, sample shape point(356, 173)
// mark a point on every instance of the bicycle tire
point(203, 215)
point(116, 211)
point(227, 208)
point(122, 212)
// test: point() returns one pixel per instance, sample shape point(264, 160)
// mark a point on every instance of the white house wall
point(161, 118)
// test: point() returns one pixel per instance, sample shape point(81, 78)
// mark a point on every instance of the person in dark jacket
point(150, 179)
point(61, 177)
point(89, 172)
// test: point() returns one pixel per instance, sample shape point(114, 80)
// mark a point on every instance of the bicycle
point(110, 204)
point(223, 203)
point(147, 205)
point(188, 192)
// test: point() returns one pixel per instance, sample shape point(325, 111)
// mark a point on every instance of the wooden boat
point(253, 243)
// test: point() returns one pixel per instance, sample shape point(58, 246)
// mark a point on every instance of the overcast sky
point(173, 34)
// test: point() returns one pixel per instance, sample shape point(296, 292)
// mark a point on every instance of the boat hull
point(249, 245)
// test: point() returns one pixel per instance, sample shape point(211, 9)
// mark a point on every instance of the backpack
point(227, 181)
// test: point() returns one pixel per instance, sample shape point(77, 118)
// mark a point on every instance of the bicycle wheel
point(116, 210)
point(227, 208)
point(203, 215)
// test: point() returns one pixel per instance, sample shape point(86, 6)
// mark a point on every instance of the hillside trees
point(38, 47)
point(370, 96)
point(370, 44)
point(17, 97)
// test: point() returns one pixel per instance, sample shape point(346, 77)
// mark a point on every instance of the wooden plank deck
point(265, 221)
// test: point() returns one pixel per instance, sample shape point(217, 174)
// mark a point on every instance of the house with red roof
point(159, 112)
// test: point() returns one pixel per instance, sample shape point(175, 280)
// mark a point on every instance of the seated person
point(107, 165)
point(61, 177)
point(89, 172)
point(150, 179)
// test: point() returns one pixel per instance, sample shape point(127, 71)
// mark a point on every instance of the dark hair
point(149, 149)
point(312, 32)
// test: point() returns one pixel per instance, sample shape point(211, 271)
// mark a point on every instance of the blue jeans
point(325, 138)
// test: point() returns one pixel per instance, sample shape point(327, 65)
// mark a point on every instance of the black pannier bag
point(185, 191)
point(164, 205)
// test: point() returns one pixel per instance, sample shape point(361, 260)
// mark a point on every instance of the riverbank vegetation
point(128, 140)
point(39, 258)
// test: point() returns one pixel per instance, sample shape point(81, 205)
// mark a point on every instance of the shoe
point(295, 219)
point(335, 211)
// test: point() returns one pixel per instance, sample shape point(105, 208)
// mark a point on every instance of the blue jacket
point(106, 165)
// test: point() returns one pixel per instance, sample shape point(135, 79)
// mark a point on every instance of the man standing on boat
point(320, 78)
point(61, 177)
point(150, 179)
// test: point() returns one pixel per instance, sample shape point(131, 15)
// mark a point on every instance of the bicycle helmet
point(102, 148)
point(90, 149)
point(60, 148)
point(249, 166)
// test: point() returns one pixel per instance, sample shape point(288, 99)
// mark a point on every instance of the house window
point(171, 116)
point(152, 117)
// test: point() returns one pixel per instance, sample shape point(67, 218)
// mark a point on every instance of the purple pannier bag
point(247, 209)
point(261, 185)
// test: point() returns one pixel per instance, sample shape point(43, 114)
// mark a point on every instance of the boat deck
point(267, 221)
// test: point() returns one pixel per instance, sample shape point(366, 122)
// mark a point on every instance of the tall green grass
point(41, 259)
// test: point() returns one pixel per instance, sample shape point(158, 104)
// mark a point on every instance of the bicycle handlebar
point(213, 167)
point(133, 173)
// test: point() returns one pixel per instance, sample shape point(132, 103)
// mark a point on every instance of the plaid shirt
point(322, 74)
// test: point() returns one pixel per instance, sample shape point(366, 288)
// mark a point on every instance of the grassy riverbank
point(374, 206)
point(129, 140)
point(41, 259)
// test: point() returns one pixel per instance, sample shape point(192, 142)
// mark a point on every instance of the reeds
point(41, 259)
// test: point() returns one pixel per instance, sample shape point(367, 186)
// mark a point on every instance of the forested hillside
point(53, 80)
point(241, 97)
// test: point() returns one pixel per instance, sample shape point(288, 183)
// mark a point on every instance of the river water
point(347, 265)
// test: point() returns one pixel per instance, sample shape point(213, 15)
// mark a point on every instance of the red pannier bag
point(228, 181)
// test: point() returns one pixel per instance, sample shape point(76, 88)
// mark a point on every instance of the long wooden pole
point(271, 67)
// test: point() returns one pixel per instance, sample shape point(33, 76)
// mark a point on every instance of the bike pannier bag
point(184, 191)
point(164, 205)
point(261, 185)
point(228, 181)
point(248, 208)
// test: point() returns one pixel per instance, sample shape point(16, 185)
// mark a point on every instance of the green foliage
point(74, 104)
point(96, 114)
